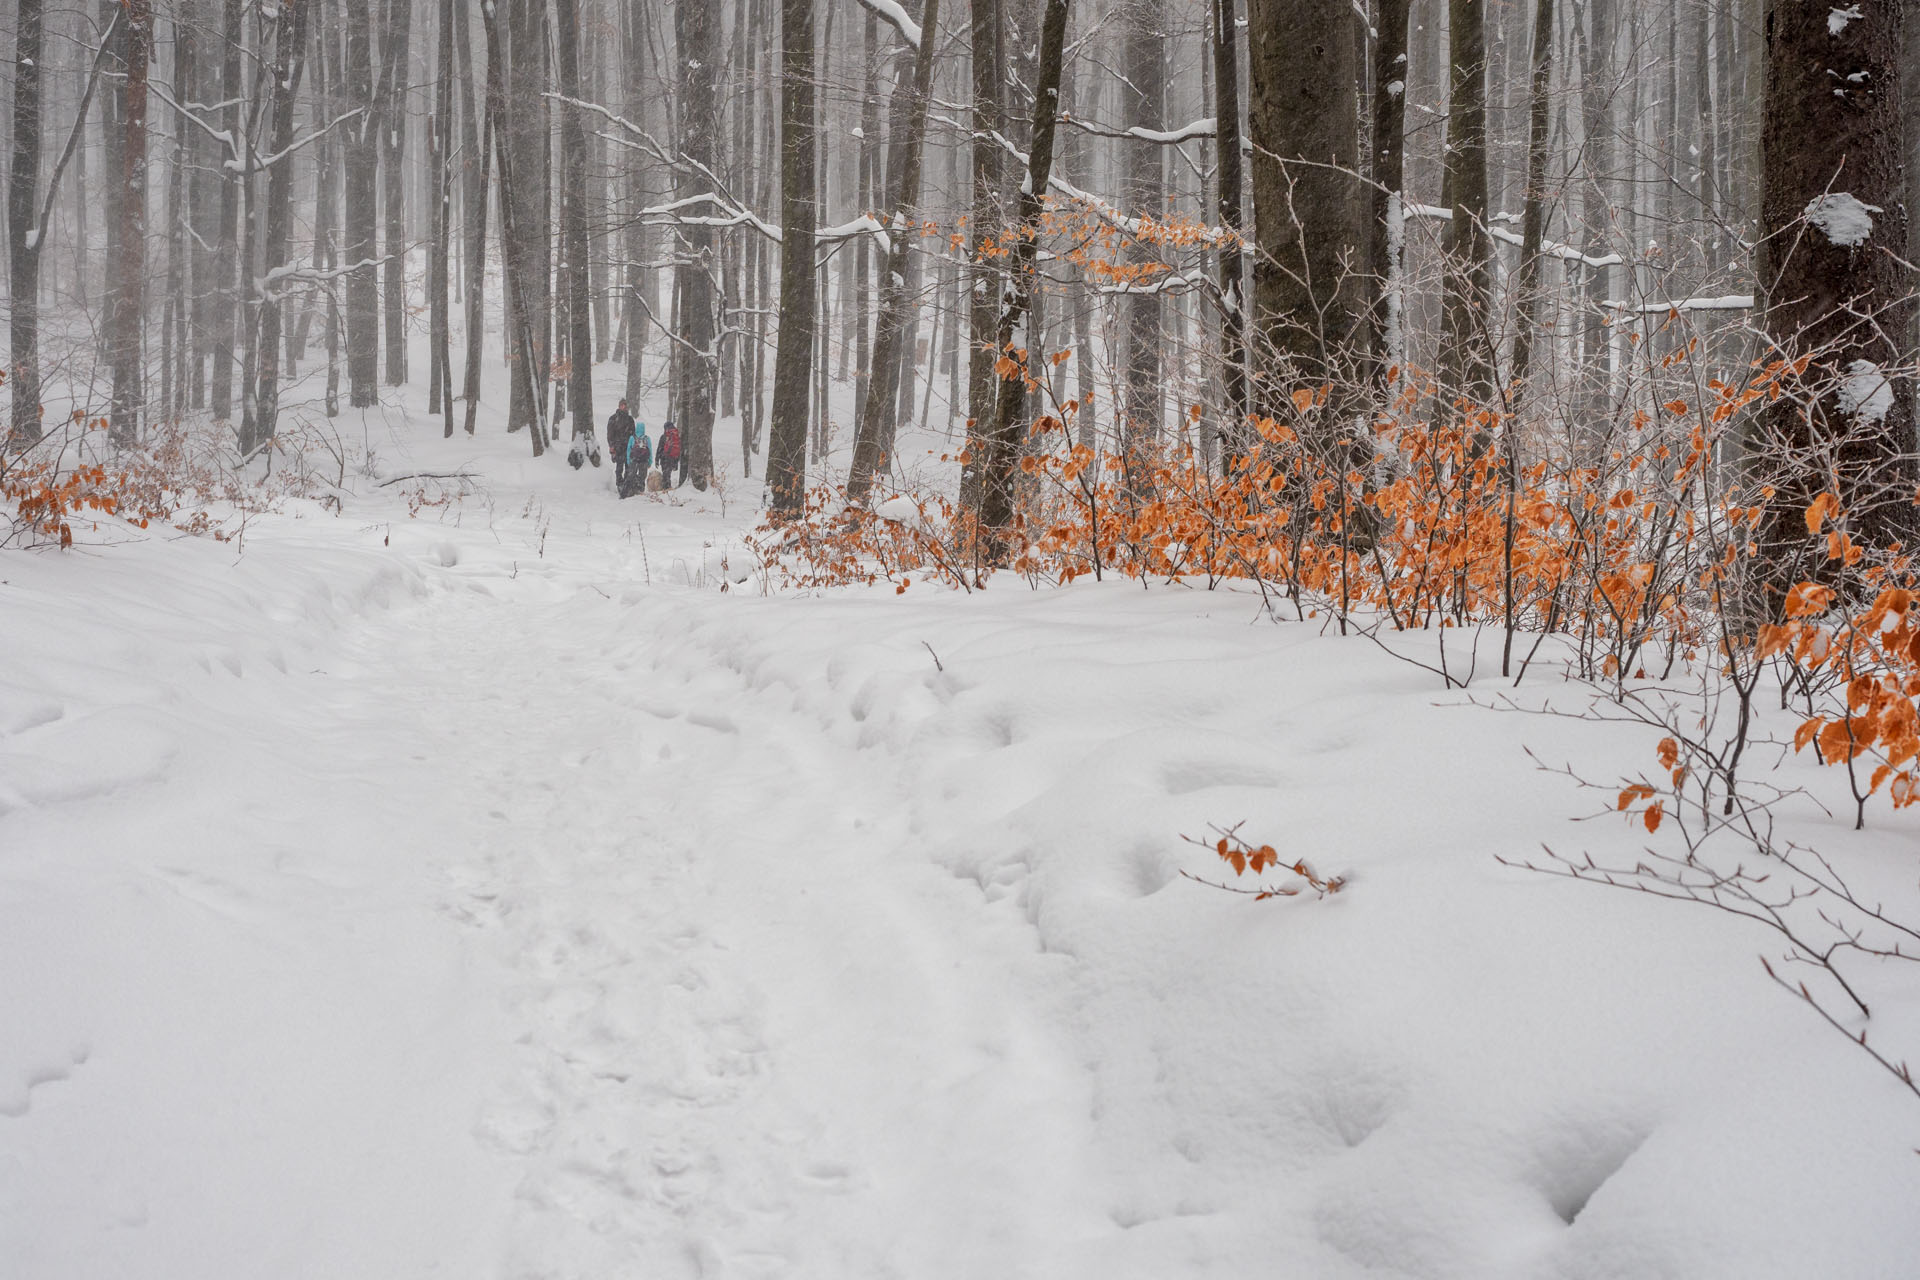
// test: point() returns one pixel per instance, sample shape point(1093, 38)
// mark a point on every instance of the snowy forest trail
point(495, 897)
point(748, 1042)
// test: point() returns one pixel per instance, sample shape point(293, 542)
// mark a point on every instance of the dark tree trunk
point(1833, 219)
point(697, 40)
point(363, 288)
point(787, 438)
point(288, 62)
point(1144, 97)
point(1466, 353)
point(126, 322)
point(519, 337)
point(573, 136)
point(395, 61)
point(439, 140)
point(984, 296)
point(24, 233)
point(228, 268)
point(896, 299)
point(524, 130)
point(1233, 304)
point(1003, 437)
point(1308, 207)
point(477, 150)
point(1533, 227)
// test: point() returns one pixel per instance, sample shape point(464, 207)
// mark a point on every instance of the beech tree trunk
point(1466, 352)
point(395, 64)
point(1236, 433)
point(362, 159)
point(227, 267)
point(1308, 207)
point(1534, 218)
point(1833, 218)
point(896, 298)
point(573, 136)
point(1003, 439)
point(23, 228)
point(289, 61)
point(126, 323)
point(695, 29)
point(787, 437)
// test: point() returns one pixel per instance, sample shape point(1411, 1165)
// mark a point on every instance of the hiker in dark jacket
point(619, 434)
point(669, 452)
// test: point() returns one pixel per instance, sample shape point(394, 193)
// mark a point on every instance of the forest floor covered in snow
point(478, 889)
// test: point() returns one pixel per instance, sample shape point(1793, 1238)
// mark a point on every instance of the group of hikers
point(636, 464)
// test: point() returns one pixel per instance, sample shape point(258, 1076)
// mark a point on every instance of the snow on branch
point(1726, 302)
point(1205, 127)
point(1552, 248)
point(890, 12)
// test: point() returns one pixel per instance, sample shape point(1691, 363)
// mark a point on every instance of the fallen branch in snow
point(428, 475)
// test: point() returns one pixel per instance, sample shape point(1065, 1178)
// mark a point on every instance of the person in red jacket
point(669, 452)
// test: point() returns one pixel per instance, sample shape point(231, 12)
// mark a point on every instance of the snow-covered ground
point(485, 892)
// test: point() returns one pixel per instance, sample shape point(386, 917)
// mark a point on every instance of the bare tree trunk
point(1145, 107)
point(439, 139)
point(126, 324)
point(477, 142)
point(1466, 360)
point(512, 248)
point(1237, 437)
point(896, 300)
point(983, 298)
point(1308, 207)
point(363, 302)
point(288, 63)
point(697, 39)
point(1003, 437)
point(24, 232)
point(228, 268)
point(525, 132)
point(1533, 227)
point(1387, 226)
point(799, 215)
point(579, 272)
point(395, 62)
point(1833, 224)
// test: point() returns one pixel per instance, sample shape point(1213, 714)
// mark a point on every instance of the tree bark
point(1533, 226)
point(23, 227)
point(519, 336)
point(1466, 360)
point(896, 300)
point(697, 40)
point(1236, 433)
point(288, 63)
point(395, 65)
point(1307, 204)
point(1833, 219)
point(787, 437)
point(227, 267)
point(1387, 225)
point(126, 323)
point(363, 300)
point(1144, 99)
point(573, 144)
point(477, 141)
point(1003, 438)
